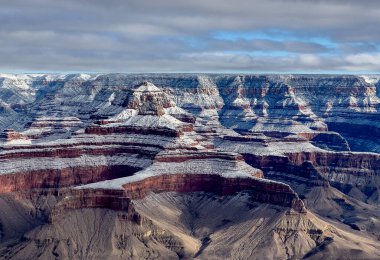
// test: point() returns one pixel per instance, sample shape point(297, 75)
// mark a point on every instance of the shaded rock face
point(343, 170)
point(112, 143)
point(330, 141)
point(186, 226)
point(97, 234)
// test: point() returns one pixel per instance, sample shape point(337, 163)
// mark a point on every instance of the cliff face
point(120, 200)
point(64, 177)
point(108, 141)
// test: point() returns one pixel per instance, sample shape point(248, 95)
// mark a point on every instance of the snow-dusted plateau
point(182, 166)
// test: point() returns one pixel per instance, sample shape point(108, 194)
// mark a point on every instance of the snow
point(123, 115)
point(175, 111)
point(36, 164)
point(147, 87)
point(372, 79)
point(18, 142)
point(223, 168)
point(150, 121)
point(278, 148)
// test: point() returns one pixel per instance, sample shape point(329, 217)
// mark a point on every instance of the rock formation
point(287, 156)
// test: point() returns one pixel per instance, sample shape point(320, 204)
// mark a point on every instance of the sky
point(235, 36)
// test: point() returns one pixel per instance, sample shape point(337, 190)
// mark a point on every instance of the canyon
point(182, 166)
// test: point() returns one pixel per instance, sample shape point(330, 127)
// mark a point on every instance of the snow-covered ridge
point(264, 103)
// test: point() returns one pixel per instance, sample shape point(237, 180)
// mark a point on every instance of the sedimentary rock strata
point(281, 143)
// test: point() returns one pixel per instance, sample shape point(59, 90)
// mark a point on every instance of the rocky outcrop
point(147, 99)
point(10, 135)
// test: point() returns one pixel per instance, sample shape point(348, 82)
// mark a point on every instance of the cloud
point(172, 36)
point(310, 60)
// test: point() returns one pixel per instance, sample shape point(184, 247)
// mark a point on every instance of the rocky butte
point(172, 166)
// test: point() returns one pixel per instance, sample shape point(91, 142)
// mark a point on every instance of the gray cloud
point(169, 35)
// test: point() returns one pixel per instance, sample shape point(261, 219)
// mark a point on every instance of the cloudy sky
point(251, 36)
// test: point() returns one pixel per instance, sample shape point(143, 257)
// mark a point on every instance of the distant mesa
point(148, 99)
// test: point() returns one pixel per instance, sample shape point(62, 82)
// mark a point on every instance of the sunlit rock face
point(273, 150)
point(148, 99)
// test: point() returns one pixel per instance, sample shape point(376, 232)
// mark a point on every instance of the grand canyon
point(183, 166)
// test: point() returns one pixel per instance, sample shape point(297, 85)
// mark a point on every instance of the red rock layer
point(259, 190)
point(181, 157)
point(77, 199)
point(99, 130)
point(346, 160)
point(58, 178)
point(72, 151)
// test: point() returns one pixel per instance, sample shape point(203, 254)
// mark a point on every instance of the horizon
point(358, 74)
